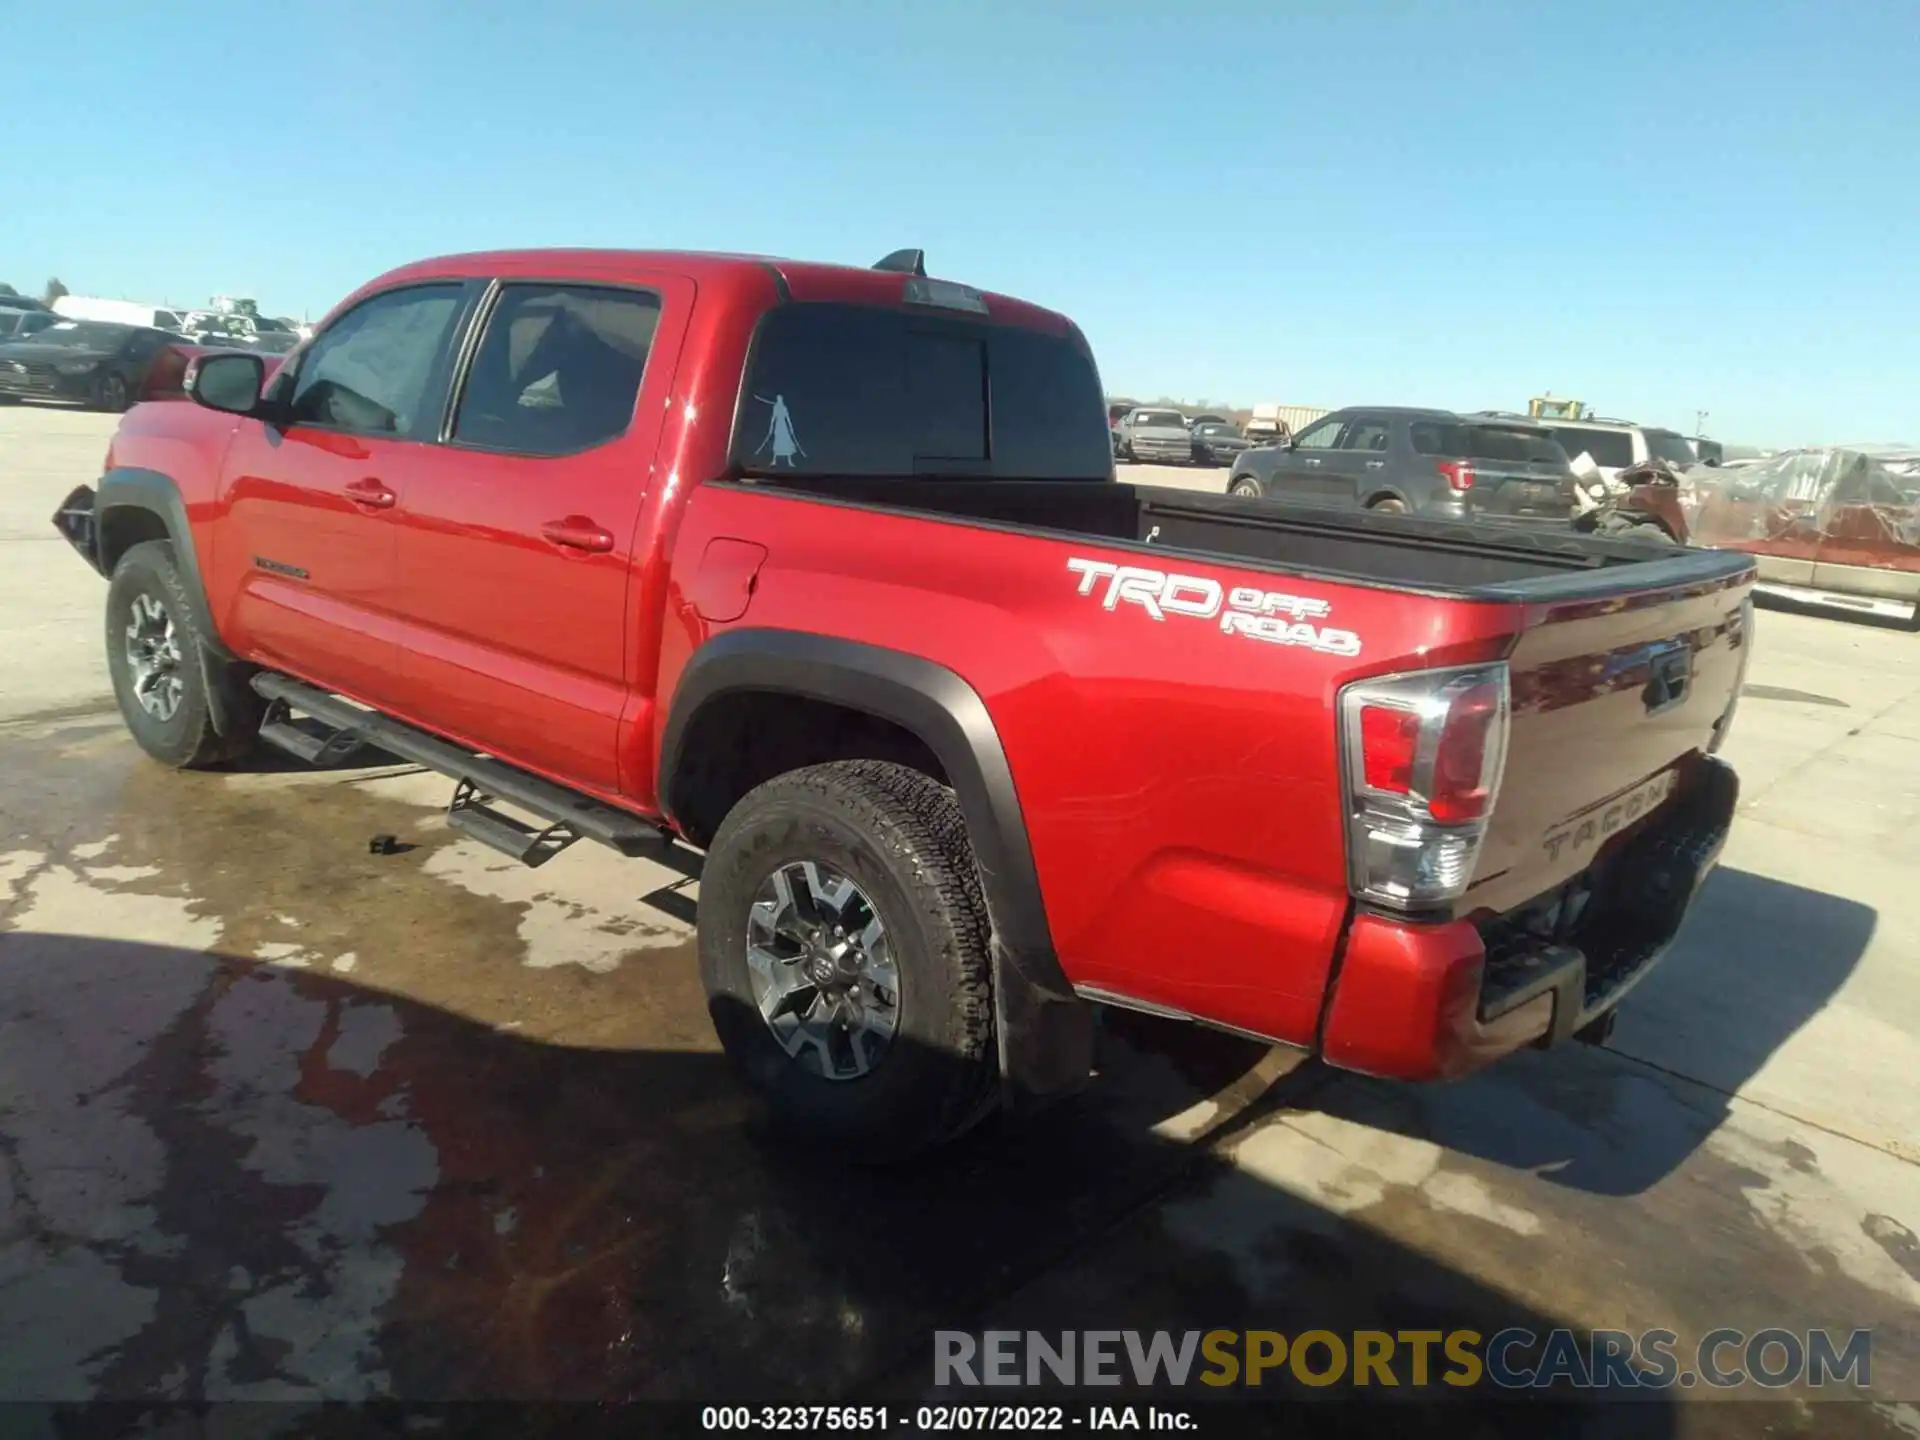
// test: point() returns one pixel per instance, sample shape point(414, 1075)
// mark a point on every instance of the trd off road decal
point(1258, 614)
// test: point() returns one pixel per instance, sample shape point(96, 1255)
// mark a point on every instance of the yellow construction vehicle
point(1545, 407)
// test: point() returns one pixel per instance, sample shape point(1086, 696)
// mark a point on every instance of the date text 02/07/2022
point(942, 1419)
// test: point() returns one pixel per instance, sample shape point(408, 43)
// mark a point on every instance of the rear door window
point(1367, 432)
point(558, 369)
point(854, 390)
point(1610, 449)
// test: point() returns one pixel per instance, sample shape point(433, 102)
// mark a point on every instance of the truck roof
point(732, 275)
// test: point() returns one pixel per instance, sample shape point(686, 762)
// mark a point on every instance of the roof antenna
point(905, 262)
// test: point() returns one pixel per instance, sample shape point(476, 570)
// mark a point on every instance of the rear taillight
point(1458, 473)
point(1742, 631)
point(1424, 754)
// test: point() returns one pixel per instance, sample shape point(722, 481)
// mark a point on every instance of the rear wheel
point(110, 392)
point(1245, 487)
point(844, 949)
point(160, 677)
point(1389, 505)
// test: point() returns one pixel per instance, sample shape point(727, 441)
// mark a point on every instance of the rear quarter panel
point(1179, 784)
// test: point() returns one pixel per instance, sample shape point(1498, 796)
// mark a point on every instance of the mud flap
point(1045, 1036)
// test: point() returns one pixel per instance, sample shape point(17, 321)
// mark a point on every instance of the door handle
point(371, 492)
point(1376, 464)
point(577, 532)
point(1309, 460)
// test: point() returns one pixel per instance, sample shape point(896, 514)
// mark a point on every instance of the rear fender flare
point(1044, 1030)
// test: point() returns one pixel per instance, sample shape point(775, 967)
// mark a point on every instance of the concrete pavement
point(283, 1119)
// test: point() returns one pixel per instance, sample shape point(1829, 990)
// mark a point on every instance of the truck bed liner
point(1447, 559)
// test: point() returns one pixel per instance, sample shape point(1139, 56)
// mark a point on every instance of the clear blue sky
point(1694, 204)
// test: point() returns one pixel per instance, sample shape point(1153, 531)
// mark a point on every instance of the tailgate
point(1609, 700)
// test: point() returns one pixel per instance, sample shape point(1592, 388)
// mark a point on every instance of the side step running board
point(477, 780)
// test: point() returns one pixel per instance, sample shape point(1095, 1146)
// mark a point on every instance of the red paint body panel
point(1180, 786)
point(1404, 1007)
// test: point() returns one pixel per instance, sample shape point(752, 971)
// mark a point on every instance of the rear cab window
point(835, 388)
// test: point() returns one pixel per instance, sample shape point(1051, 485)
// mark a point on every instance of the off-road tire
point(186, 740)
point(899, 836)
point(1244, 487)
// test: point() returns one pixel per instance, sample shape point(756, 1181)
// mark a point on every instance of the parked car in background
point(90, 361)
point(17, 323)
point(1616, 445)
point(1277, 422)
point(121, 312)
point(1155, 436)
point(1218, 442)
point(1207, 417)
point(1705, 451)
point(1424, 462)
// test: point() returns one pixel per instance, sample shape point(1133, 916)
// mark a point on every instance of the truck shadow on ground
point(228, 1180)
point(1755, 960)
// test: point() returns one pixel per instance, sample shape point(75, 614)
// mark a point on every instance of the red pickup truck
point(824, 571)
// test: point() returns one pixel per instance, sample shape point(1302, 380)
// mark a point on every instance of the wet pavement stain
point(284, 1118)
point(452, 1176)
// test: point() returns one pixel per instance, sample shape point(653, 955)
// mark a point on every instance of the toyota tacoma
point(824, 571)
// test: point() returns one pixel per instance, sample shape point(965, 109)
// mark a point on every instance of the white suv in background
point(1616, 445)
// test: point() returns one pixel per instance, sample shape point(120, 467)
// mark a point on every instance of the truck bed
point(1399, 552)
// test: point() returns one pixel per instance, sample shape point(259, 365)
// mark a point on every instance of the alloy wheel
point(822, 968)
point(154, 660)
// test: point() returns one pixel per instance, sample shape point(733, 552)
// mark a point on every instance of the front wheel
point(1389, 505)
point(160, 677)
point(1244, 487)
point(844, 947)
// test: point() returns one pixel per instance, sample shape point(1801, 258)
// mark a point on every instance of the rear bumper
point(1431, 1002)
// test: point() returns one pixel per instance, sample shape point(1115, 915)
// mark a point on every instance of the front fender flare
point(132, 488)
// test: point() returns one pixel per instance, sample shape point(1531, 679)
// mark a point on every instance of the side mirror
point(228, 382)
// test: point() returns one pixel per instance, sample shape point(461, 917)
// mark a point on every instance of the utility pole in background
point(1700, 422)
